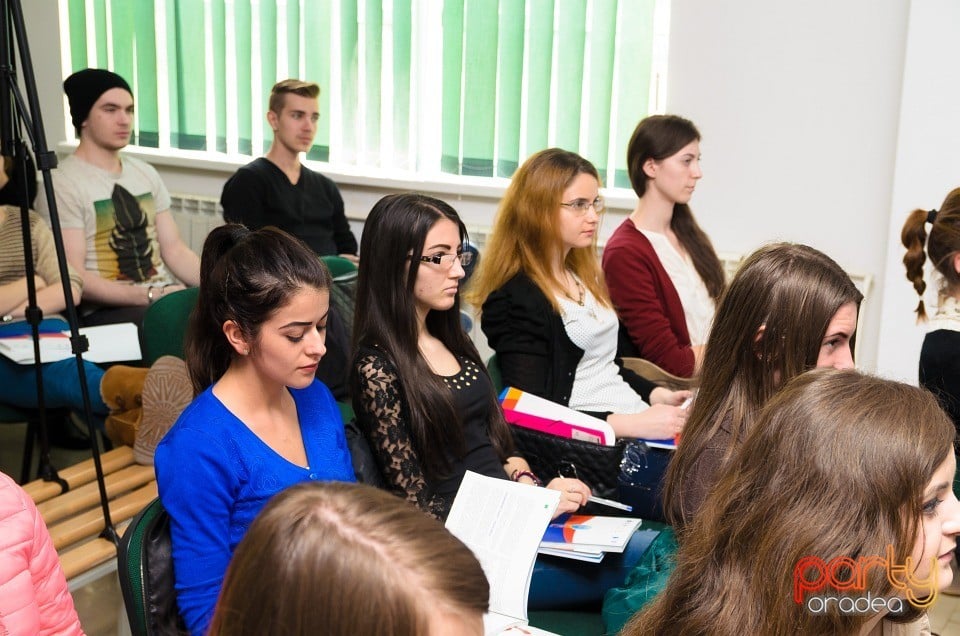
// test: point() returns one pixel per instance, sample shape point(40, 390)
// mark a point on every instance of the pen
point(611, 503)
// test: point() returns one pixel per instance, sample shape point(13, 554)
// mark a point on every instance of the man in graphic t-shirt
point(114, 210)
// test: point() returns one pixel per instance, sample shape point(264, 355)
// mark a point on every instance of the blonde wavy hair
point(526, 234)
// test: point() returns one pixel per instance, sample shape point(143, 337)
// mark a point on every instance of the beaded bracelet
point(517, 474)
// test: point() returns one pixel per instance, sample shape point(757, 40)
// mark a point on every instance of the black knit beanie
point(85, 87)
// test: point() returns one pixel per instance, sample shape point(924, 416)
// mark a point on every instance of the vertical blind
point(466, 87)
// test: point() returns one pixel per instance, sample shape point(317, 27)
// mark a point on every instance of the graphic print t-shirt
point(117, 213)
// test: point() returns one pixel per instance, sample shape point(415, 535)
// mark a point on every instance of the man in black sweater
point(279, 190)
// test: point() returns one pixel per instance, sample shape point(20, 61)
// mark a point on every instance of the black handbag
point(630, 471)
point(551, 456)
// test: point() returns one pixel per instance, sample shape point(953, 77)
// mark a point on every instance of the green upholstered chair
point(145, 568)
point(493, 368)
point(165, 325)
point(339, 266)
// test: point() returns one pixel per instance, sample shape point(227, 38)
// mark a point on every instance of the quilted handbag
point(552, 456)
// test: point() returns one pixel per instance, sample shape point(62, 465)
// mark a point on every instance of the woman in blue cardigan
point(261, 421)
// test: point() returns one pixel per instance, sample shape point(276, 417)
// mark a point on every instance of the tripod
point(16, 115)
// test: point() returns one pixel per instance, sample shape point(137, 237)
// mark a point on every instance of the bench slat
point(90, 523)
point(89, 555)
point(88, 495)
point(80, 474)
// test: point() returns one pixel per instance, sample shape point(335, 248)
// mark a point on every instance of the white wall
point(800, 107)
point(927, 167)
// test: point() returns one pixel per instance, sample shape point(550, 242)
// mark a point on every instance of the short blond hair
point(278, 94)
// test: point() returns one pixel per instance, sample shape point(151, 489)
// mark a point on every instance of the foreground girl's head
point(246, 278)
point(839, 465)
point(943, 246)
point(343, 559)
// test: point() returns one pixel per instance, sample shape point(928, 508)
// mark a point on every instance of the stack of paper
point(587, 537)
point(108, 343)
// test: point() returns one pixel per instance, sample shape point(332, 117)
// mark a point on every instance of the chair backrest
point(493, 368)
point(468, 270)
point(338, 265)
point(145, 568)
point(165, 324)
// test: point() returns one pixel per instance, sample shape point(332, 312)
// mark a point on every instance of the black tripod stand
point(16, 116)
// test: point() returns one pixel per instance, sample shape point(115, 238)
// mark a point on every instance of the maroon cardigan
point(646, 301)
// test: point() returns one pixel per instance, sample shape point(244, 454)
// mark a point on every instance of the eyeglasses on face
point(446, 260)
point(580, 206)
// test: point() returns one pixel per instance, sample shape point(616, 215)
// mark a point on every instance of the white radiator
point(195, 217)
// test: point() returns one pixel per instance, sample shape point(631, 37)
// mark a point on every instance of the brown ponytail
point(697, 244)
point(914, 236)
point(943, 243)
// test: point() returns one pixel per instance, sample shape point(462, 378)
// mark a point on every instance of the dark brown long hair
point(943, 243)
point(658, 137)
point(769, 327)
point(836, 466)
point(341, 559)
point(385, 318)
point(245, 276)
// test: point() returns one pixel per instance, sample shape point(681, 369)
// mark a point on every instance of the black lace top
point(383, 417)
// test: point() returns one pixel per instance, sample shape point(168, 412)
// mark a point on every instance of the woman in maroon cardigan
point(662, 272)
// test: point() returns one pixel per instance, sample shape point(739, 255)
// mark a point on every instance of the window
point(465, 87)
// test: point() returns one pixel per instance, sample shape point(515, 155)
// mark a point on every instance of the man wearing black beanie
point(114, 210)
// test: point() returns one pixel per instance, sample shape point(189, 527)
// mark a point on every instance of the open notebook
point(503, 522)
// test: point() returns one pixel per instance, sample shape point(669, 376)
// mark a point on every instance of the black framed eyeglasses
point(446, 260)
point(580, 206)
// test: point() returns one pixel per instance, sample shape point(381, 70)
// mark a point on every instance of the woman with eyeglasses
point(420, 391)
point(545, 307)
point(662, 271)
point(422, 396)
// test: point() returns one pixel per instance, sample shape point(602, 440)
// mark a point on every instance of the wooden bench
point(75, 518)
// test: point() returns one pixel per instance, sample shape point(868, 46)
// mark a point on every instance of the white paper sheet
point(108, 343)
point(502, 522)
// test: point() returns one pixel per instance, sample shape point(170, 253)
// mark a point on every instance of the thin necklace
point(580, 291)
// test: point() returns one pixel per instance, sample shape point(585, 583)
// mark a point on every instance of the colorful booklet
point(502, 522)
point(588, 533)
point(531, 411)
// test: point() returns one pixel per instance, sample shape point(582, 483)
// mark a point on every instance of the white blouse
point(698, 306)
point(597, 384)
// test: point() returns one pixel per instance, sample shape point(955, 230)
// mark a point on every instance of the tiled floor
point(100, 604)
